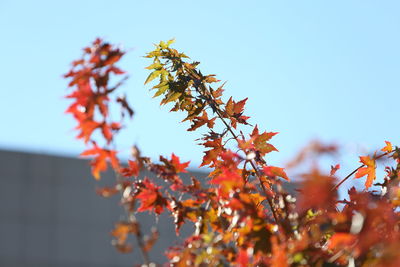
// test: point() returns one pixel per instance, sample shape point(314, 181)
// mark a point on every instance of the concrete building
point(51, 216)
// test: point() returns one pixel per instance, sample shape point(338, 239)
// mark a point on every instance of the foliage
point(242, 213)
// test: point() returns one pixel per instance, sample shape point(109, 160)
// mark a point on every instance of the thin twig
point(353, 172)
point(131, 217)
point(228, 127)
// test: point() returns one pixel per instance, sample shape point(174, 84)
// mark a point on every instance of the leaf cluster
point(242, 213)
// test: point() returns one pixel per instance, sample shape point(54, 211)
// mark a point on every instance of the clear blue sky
point(311, 69)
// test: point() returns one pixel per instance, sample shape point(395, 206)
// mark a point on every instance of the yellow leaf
point(154, 66)
point(172, 97)
point(152, 76)
point(161, 90)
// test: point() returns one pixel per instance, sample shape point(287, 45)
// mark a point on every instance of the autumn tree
point(243, 215)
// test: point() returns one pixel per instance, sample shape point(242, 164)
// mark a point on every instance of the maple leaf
point(107, 191)
point(316, 192)
point(202, 120)
point(211, 79)
point(102, 156)
point(107, 133)
point(87, 127)
point(388, 148)
point(275, 171)
point(341, 240)
point(239, 106)
point(122, 229)
point(151, 198)
point(123, 248)
point(116, 70)
point(131, 170)
point(234, 112)
point(334, 169)
point(179, 167)
point(228, 179)
point(368, 170)
point(242, 258)
point(260, 141)
point(210, 157)
point(150, 241)
point(233, 108)
point(279, 258)
point(125, 105)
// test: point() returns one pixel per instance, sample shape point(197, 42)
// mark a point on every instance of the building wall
point(50, 215)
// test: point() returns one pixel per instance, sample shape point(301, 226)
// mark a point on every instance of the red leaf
point(179, 167)
point(151, 198)
point(334, 169)
point(242, 258)
point(131, 170)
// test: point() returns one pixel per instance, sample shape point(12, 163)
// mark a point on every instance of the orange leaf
point(388, 148)
point(122, 229)
point(228, 179)
point(87, 127)
point(229, 107)
point(260, 141)
point(123, 248)
point(340, 240)
point(368, 170)
point(279, 258)
point(99, 163)
point(275, 171)
point(131, 170)
point(107, 191)
point(239, 106)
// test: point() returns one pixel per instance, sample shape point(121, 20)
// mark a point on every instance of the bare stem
point(131, 218)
